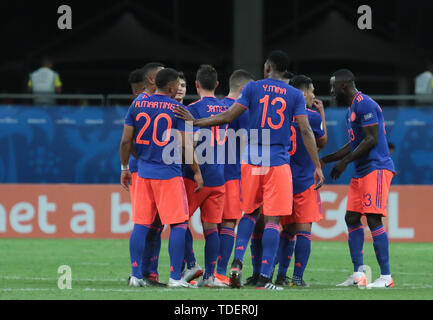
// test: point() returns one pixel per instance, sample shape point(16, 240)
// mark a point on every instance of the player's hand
point(318, 104)
point(319, 178)
point(338, 169)
point(182, 113)
point(125, 179)
point(199, 181)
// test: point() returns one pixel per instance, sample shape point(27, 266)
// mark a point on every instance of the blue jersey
point(212, 173)
point(232, 168)
point(272, 104)
point(364, 112)
point(133, 162)
point(155, 126)
point(300, 162)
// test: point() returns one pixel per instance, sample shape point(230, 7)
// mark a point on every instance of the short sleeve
point(246, 95)
point(129, 118)
point(367, 113)
point(300, 105)
point(316, 124)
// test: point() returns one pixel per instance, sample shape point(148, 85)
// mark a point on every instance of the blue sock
point(285, 251)
point(211, 249)
point(270, 241)
point(256, 252)
point(189, 251)
point(176, 247)
point(153, 269)
point(302, 253)
point(356, 244)
point(149, 249)
point(381, 247)
point(227, 240)
point(245, 230)
point(137, 242)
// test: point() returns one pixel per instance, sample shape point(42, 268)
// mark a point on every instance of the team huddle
point(251, 160)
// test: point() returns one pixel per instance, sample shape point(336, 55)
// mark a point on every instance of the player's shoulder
point(195, 103)
point(312, 114)
point(364, 102)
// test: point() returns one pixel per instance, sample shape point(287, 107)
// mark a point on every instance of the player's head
point(136, 81)
point(149, 72)
point(206, 78)
point(287, 76)
point(47, 63)
point(277, 62)
point(167, 82)
point(342, 85)
point(238, 80)
point(181, 91)
point(305, 84)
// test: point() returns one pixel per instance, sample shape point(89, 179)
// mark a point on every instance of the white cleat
point(382, 282)
point(356, 279)
point(211, 282)
point(193, 273)
point(179, 284)
point(135, 282)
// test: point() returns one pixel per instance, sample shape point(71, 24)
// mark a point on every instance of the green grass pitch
point(28, 270)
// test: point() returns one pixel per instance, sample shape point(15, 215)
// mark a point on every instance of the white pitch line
point(56, 279)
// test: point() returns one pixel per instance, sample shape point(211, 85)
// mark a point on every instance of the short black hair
point(344, 75)
point(182, 75)
point(165, 76)
point(149, 67)
point(280, 60)
point(207, 76)
point(301, 82)
point(136, 76)
point(239, 78)
point(288, 75)
point(391, 145)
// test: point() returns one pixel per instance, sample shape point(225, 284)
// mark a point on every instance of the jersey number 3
point(265, 101)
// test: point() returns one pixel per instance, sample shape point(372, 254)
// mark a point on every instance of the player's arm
point(310, 145)
point(223, 118)
point(125, 151)
point(368, 143)
point(188, 150)
point(338, 155)
point(323, 140)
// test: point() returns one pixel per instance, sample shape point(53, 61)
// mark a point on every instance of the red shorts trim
point(232, 200)
point(270, 187)
point(307, 207)
point(167, 197)
point(369, 194)
point(210, 200)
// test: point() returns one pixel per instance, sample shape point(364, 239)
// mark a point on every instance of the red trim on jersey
point(369, 125)
point(359, 92)
point(241, 105)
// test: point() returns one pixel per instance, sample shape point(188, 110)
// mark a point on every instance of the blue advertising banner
point(81, 144)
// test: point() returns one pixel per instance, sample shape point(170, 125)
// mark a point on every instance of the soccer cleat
point(153, 280)
point(282, 281)
point(193, 273)
point(264, 283)
point(135, 282)
point(222, 278)
point(181, 283)
point(252, 281)
point(356, 279)
point(381, 282)
point(299, 283)
point(236, 274)
point(211, 282)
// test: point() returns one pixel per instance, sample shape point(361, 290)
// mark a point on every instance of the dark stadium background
point(205, 29)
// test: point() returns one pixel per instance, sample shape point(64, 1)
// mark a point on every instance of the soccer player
point(369, 187)
point(142, 82)
point(159, 186)
point(232, 175)
point(306, 201)
point(267, 180)
point(211, 198)
point(181, 91)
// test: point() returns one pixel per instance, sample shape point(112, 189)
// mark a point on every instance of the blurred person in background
point(424, 85)
point(45, 81)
